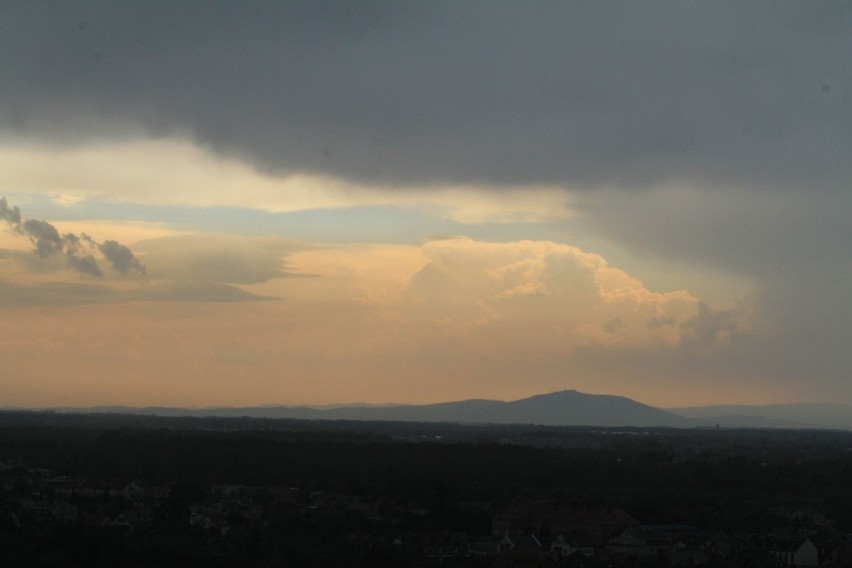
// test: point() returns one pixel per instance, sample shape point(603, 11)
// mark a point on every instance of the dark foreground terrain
point(119, 490)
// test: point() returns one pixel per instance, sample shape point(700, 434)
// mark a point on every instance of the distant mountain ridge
point(792, 415)
point(561, 408)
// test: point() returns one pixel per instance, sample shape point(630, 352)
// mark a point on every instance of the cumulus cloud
point(576, 296)
point(535, 295)
point(121, 257)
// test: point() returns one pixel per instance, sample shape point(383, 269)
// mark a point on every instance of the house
point(519, 543)
point(230, 491)
point(95, 515)
point(65, 513)
point(641, 541)
point(797, 514)
point(548, 517)
point(483, 547)
point(686, 557)
point(804, 554)
point(442, 552)
point(566, 545)
point(133, 491)
point(99, 489)
point(130, 519)
point(287, 495)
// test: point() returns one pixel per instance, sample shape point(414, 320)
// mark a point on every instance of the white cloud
point(563, 296)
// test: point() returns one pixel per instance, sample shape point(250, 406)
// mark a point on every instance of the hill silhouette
point(561, 408)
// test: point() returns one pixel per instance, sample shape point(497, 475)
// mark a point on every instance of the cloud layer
point(581, 95)
point(705, 137)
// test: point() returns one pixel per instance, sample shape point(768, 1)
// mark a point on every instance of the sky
point(311, 202)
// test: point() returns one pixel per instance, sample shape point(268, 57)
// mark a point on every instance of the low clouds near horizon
point(506, 318)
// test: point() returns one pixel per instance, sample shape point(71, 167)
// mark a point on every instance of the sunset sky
point(256, 203)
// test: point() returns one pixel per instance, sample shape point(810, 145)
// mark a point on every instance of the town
point(106, 490)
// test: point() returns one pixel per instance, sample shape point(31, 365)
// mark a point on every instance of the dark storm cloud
point(12, 215)
point(44, 236)
point(78, 255)
point(581, 93)
point(121, 258)
point(79, 250)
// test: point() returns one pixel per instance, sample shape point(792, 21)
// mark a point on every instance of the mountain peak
point(572, 407)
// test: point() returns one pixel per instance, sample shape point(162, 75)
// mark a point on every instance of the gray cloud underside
point(196, 292)
point(581, 94)
point(64, 293)
point(55, 294)
point(221, 259)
